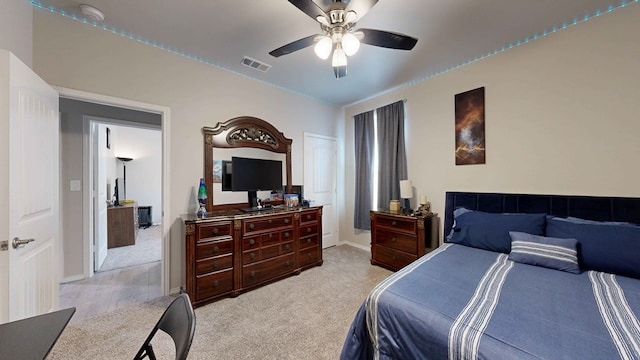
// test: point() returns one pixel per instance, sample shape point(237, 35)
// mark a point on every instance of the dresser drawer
point(206, 249)
point(216, 229)
point(262, 224)
point(266, 252)
point(397, 223)
point(214, 264)
point(309, 256)
point(311, 229)
point(309, 241)
point(397, 240)
point(393, 258)
point(309, 216)
point(267, 270)
point(214, 284)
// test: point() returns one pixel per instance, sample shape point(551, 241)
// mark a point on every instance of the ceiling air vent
point(255, 64)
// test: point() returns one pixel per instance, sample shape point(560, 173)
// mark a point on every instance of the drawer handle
point(215, 231)
point(216, 249)
point(394, 223)
point(308, 230)
point(214, 265)
point(252, 256)
point(252, 242)
point(286, 221)
point(393, 240)
point(252, 275)
point(286, 247)
point(288, 263)
point(251, 226)
point(394, 258)
point(308, 216)
point(308, 241)
point(309, 255)
point(270, 236)
point(216, 283)
point(270, 221)
point(286, 235)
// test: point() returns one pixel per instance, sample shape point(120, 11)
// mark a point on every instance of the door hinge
point(4, 245)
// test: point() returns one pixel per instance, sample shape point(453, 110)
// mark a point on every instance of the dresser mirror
point(244, 136)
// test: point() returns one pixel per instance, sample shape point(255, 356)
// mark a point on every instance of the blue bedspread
point(465, 303)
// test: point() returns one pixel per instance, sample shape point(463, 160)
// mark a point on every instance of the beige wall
point(73, 55)
point(562, 117)
point(16, 29)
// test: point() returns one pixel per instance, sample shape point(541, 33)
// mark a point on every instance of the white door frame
point(165, 114)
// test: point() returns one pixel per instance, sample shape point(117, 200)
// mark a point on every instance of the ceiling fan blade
point(361, 7)
point(310, 8)
point(294, 46)
point(388, 39)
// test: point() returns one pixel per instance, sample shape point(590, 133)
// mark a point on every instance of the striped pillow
point(554, 253)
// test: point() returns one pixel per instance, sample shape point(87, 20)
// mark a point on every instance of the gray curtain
point(391, 152)
point(364, 143)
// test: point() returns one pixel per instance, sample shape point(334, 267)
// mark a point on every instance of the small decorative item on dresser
point(394, 206)
point(202, 200)
point(397, 240)
point(425, 207)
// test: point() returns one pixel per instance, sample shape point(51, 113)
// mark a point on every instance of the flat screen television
point(254, 175)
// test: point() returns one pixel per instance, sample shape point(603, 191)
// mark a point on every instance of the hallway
point(111, 290)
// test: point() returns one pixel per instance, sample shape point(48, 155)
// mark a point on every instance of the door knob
point(18, 242)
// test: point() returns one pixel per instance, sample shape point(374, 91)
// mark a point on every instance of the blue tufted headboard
point(585, 207)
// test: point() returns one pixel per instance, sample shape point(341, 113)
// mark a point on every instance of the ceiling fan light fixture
point(323, 47)
point(350, 44)
point(339, 57)
point(350, 17)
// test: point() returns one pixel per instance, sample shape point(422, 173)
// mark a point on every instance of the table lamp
point(406, 193)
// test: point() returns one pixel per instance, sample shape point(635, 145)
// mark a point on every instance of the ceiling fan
point(338, 33)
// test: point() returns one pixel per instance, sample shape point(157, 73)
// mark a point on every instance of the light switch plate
point(74, 185)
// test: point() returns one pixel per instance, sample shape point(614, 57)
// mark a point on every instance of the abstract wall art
point(470, 139)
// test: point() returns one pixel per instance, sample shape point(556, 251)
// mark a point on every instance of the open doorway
point(125, 163)
point(93, 136)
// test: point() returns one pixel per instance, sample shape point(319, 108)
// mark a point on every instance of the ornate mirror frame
point(242, 132)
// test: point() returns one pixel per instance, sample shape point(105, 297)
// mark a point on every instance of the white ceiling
point(449, 32)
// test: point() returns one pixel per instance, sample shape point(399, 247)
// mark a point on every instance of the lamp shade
point(406, 189)
point(339, 57)
point(323, 47)
point(350, 44)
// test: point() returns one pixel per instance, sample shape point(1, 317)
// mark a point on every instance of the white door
point(29, 191)
point(320, 179)
point(99, 195)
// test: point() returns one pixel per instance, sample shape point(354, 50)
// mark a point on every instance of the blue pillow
point(553, 253)
point(490, 231)
point(607, 247)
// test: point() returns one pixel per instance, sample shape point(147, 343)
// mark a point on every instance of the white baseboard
point(355, 245)
point(175, 291)
point(69, 279)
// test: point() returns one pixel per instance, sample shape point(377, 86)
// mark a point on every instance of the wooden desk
point(34, 337)
point(122, 225)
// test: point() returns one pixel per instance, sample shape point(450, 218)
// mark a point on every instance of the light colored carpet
point(301, 317)
point(148, 248)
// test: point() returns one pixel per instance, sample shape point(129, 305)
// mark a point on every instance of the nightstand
point(397, 240)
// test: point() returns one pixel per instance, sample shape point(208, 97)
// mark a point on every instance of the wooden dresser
point(122, 225)
point(231, 252)
point(397, 240)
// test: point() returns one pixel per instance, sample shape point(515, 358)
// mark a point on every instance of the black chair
point(179, 321)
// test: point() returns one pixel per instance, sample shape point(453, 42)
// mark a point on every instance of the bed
point(519, 277)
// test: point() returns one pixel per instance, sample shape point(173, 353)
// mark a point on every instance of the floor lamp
point(124, 164)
